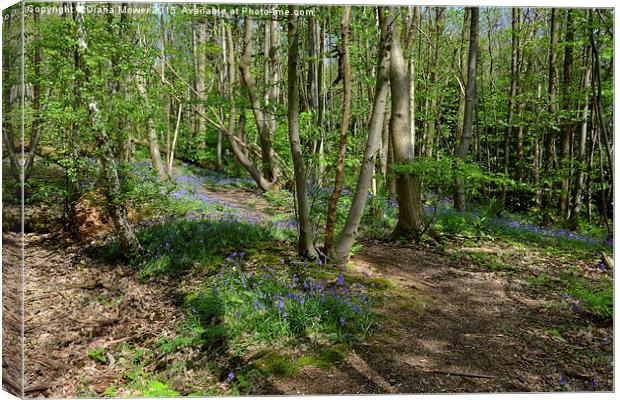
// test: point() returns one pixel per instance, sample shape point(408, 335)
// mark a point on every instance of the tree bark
point(306, 233)
point(567, 126)
point(581, 149)
point(410, 211)
point(340, 252)
point(344, 128)
point(551, 131)
point(245, 66)
point(514, 75)
point(470, 101)
point(158, 165)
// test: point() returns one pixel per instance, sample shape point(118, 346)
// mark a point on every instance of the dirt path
point(461, 329)
point(454, 328)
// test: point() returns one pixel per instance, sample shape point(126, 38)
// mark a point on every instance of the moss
point(332, 356)
point(274, 363)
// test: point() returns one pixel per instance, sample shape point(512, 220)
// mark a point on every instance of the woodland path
point(448, 326)
point(454, 328)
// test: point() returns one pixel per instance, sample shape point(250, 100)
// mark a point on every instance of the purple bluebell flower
point(594, 383)
point(605, 341)
point(340, 280)
point(341, 321)
point(562, 381)
point(231, 375)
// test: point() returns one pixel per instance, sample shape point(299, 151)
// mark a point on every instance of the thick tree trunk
point(306, 233)
point(340, 252)
point(410, 211)
point(470, 101)
point(344, 129)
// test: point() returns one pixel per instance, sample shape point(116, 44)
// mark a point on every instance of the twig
point(467, 374)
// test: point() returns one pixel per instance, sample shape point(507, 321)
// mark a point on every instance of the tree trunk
point(200, 56)
point(306, 233)
point(245, 66)
point(158, 165)
point(344, 128)
point(470, 101)
point(410, 212)
point(127, 238)
point(340, 252)
point(514, 75)
point(581, 150)
point(7, 126)
point(567, 126)
point(551, 131)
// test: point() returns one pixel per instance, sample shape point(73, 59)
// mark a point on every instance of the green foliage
point(98, 355)
point(489, 262)
point(281, 199)
point(599, 301)
point(158, 389)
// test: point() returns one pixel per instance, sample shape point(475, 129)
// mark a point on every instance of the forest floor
point(468, 316)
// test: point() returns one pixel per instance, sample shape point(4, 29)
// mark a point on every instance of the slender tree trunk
point(344, 129)
point(200, 79)
point(306, 233)
point(567, 126)
point(433, 123)
point(158, 165)
point(245, 66)
point(514, 72)
point(551, 130)
point(340, 252)
point(470, 101)
point(7, 126)
point(581, 150)
point(174, 140)
point(127, 238)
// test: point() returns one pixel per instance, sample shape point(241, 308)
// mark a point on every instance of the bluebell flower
point(231, 375)
point(562, 381)
point(605, 341)
point(341, 321)
point(340, 280)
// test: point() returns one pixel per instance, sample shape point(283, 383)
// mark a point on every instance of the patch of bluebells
point(213, 208)
point(273, 302)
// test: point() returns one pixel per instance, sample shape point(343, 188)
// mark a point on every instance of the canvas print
point(251, 199)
